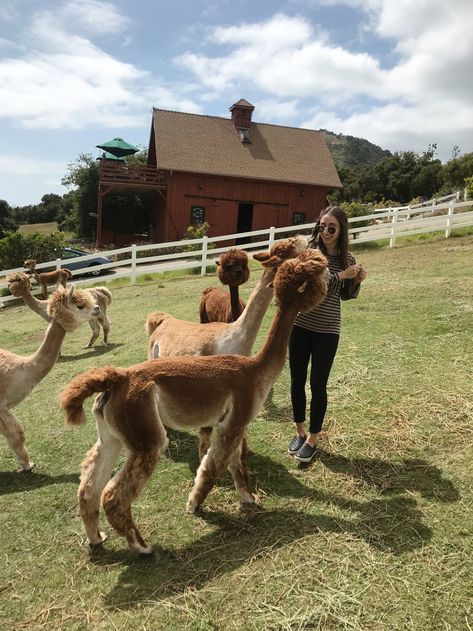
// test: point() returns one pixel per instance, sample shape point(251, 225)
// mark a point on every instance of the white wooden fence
point(387, 225)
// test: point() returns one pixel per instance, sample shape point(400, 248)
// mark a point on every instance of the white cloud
point(425, 96)
point(64, 80)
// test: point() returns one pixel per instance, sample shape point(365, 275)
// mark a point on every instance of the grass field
point(376, 534)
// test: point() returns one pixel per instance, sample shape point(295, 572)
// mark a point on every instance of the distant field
point(43, 228)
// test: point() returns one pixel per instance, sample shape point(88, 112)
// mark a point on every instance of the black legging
point(321, 348)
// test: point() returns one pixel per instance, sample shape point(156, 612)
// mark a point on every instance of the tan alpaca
point(20, 286)
point(170, 336)
point(216, 305)
point(68, 309)
point(138, 403)
point(57, 277)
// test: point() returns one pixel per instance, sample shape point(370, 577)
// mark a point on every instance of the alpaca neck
point(235, 302)
point(40, 363)
point(38, 306)
point(272, 356)
point(250, 320)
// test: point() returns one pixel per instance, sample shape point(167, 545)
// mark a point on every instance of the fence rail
point(388, 225)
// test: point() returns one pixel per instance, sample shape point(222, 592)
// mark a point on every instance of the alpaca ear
point(302, 287)
point(270, 285)
point(261, 256)
point(217, 263)
point(70, 291)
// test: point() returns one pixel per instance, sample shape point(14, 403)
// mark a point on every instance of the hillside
point(348, 151)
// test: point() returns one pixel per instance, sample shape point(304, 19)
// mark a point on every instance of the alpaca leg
point(13, 432)
point(105, 322)
point(96, 471)
point(238, 467)
point(45, 291)
point(95, 326)
point(205, 434)
point(120, 492)
point(211, 468)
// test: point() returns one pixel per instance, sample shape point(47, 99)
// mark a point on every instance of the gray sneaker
point(295, 444)
point(305, 453)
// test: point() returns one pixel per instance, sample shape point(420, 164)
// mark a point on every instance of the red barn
point(235, 174)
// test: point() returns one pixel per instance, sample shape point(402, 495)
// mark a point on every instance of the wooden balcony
point(121, 175)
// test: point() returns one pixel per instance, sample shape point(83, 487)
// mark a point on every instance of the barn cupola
point(241, 117)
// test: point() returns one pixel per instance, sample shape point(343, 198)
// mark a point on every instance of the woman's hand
point(350, 272)
point(362, 274)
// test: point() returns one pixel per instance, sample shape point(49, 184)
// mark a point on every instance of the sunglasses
point(330, 229)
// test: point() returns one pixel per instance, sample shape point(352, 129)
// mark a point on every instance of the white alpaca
point(170, 336)
point(138, 403)
point(68, 309)
point(20, 286)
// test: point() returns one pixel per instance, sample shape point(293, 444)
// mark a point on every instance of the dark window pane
point(197, 214)
point(298, 218)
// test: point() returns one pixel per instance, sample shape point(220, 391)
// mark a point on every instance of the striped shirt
point(326, 318)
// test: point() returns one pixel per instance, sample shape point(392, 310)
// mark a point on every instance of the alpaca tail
point(105, 292)
point(154, 320)
point(72, 398)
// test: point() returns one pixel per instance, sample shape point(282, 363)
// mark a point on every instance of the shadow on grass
point(389, 478)
point(411, 474)
point(95, 351)
point(392, 524)
point(18, 482)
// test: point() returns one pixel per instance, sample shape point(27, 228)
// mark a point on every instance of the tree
point(82, 177)
point(7, 223)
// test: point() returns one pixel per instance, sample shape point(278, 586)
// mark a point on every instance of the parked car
point(71, 258)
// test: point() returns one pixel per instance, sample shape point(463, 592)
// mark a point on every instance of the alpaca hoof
point(192, 508)
point(99, 539)
point(142, 550)
point(28, 468)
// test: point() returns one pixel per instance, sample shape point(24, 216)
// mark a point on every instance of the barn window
point(197, 215)
point(298, 218)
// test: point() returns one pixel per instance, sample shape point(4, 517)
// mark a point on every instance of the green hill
point(348, 151)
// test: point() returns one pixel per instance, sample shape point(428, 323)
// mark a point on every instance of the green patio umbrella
point(118, 148)
point(110, 156)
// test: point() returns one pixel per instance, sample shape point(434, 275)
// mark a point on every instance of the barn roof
point(212, 145)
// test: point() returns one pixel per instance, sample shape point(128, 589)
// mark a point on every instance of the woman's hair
point(316, 242)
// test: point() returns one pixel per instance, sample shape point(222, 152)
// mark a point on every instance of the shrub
point(16, 247)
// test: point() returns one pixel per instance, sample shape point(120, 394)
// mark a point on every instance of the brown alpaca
point(138, 403)
point(215, 303)
point(170, 336)
point(20, 286)
point(57, 277)
point(67, 309)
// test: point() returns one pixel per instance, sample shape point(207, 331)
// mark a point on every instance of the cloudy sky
point(76, 73)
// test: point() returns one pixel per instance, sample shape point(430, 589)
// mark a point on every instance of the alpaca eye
point(81, 306)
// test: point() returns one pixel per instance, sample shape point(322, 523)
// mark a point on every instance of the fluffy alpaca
point(57, 277)
point(67, 309)
point(138, 403)
point(216, 305)
point(170, 336)
point(20, 286)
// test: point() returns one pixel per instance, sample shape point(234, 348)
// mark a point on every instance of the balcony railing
point(111, 172)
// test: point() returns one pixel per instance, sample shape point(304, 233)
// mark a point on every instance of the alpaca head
point(233, 268)
point(72, 307)
point(302, 282)
point(30, 264)
point(281, 251)
point(19, 284)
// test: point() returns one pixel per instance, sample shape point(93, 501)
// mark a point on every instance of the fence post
point(58, 264)
point(203, 268)
point(465, 194)
point(392, 240)
point(451, 210)
point(133, 263)
point(271, 237)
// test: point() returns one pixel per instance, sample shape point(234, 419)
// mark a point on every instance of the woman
point(315, 334)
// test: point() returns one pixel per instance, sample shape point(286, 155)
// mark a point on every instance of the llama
point(56, 277)
point(137, 404)
point(215, 303)
point(170, 336)
point(67, 309)
point(20, 286)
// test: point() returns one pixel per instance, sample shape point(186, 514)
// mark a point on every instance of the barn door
point(245, 221)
